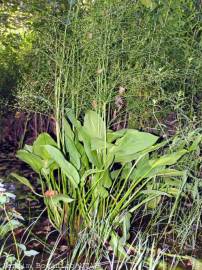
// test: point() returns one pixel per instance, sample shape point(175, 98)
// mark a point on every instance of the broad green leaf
point(103, 183)
point(72, 118)
point(169, 159)
point(43, 154)
point(84, 158)
point(28, 148)
point(145, 169)
point(129, 158)
point(88, 173)
point(32, 160)
point(131, 143)
point(150, 168)
point(85, 138)
point(67, 129)
point(25, 182)
point(43, 139)
point(73, 152)
point(67, 168)
point(151, 149)
point(114, 135)
point(92, 155)
point(101, 191)
point(94, 125)
point(170, 172)
point(71, 145)
point(99, 144)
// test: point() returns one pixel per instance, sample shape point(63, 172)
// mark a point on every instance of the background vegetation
point(150, 48)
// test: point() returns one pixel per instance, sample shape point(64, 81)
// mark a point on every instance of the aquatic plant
point(96, 178)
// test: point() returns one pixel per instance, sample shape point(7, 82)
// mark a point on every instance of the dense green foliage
point(103, 176)
point(19, 21)
point(90, 49)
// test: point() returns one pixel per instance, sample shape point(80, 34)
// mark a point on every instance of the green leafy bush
point(101, 177)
